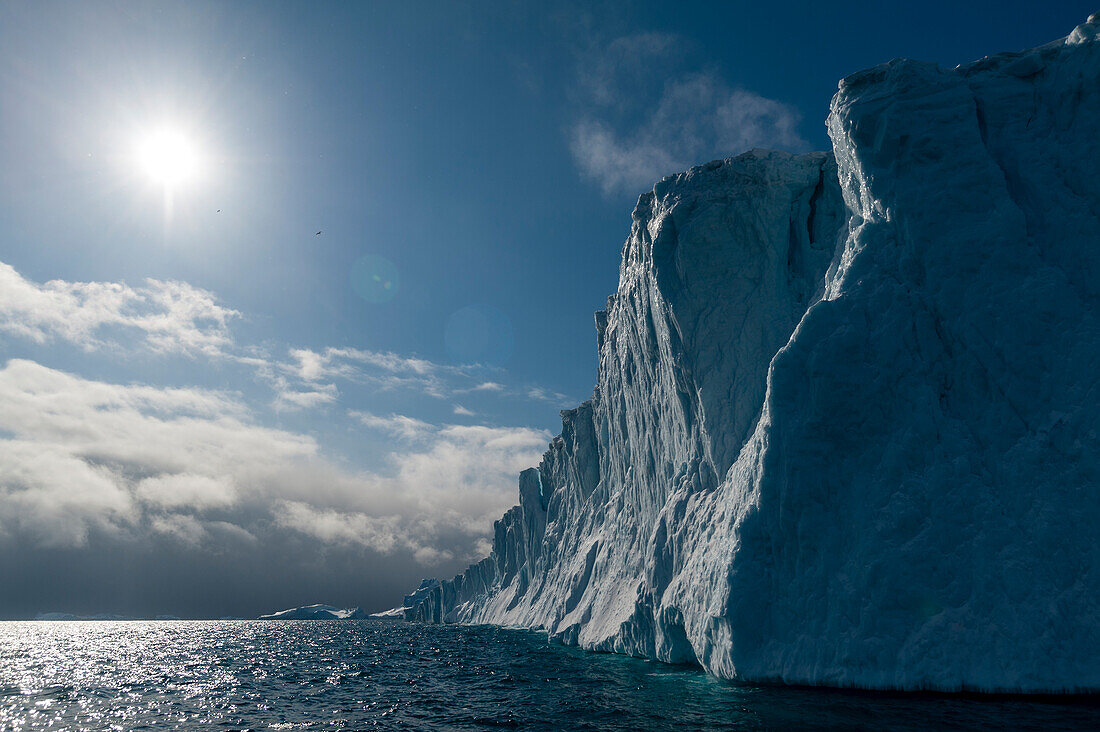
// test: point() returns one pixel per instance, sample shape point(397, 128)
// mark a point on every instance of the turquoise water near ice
point(374, 674)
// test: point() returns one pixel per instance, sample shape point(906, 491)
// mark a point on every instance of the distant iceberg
point(70, 616)
point(317, 612)
point(395, 613)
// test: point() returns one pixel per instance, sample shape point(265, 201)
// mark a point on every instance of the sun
point(168, 157)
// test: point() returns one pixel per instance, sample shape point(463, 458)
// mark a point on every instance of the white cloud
point(56, 497)
point(88, 455)
point(633, 134)
point(383, 370)
point(195, 533)
point(389, 361)
point(488, 386)
point(347, 362)
point(82, 458)
point(463, 411)
point(289, 398)
point(311, 365)
point(395, 424)
point(462, 478)
point(539, 394)
point(171, 317)
point(335, 527)
point(187, 490)
point(300, 382)
point(186, 528)
point(430, 556)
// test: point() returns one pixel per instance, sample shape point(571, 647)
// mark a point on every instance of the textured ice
point(845, 430)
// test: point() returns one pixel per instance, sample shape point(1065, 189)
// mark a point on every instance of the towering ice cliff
point(845, 430)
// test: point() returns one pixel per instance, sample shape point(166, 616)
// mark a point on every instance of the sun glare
point(168, 157)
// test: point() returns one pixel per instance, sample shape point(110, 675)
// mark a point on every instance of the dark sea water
point(391, 675)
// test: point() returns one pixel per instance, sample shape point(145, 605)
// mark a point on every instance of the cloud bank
point(127, 498)
point(139, 485)
point(87, 458)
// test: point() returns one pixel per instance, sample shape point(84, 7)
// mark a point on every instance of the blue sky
point(298, 421)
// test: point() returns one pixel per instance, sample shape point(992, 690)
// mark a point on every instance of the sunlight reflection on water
point(393, 675)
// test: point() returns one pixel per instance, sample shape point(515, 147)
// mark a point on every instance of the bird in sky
point(317, 234)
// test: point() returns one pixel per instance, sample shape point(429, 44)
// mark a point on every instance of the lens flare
point(374, 278)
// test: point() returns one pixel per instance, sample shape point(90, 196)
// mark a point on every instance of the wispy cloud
point(167, 316)
point(399, 425)
point(487, 386)
point(539, 394)
point(290, 398)
point(175, 318)
point(348, 362)
point(306, 370)
point(300, 382)
point(632, 133)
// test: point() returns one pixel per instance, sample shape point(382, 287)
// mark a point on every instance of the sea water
point(375, 674)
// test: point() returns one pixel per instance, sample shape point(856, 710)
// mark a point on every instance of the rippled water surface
point(392, 675)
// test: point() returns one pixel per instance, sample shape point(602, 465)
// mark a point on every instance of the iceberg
point(846, 426)
point(55, 616)
point(316, 612)
point(394, 613)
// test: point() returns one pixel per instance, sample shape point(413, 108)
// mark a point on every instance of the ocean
point(376, 674)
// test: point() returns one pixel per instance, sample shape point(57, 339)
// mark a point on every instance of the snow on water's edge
point(845, 430)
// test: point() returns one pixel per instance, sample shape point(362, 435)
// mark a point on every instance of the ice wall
point(845, 430)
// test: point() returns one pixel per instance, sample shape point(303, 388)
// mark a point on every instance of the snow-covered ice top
point(846, 429)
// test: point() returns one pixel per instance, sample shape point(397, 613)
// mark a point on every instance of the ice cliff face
point(845, 430)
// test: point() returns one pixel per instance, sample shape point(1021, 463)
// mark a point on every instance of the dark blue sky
point(482, 158)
